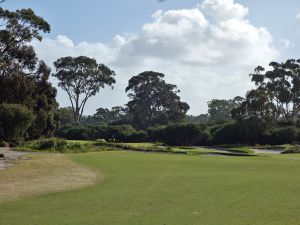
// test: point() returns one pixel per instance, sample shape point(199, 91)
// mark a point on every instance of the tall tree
point(23, 78)
point(117, 114)
point(202, 119)
point(45, 106)
point(153, 101)
point(219, 110)
point(280, 87)
point(17, 30)
point(82, 77)
point(256, 104)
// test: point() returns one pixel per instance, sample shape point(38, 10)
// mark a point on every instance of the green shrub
point(283, 135)
point(75, 133)
point(55, 145)
point(14, 121)
point(180, 134)
point(136, 136)
point(77, 146)
point(101, 142)
point(51, 144)
point(226, 135)
point(156, 134)
point(249, 131)
point(118, 133)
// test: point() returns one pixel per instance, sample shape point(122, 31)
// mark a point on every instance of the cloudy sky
point(207, 48)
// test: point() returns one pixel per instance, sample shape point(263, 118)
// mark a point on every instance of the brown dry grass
point(43, 173)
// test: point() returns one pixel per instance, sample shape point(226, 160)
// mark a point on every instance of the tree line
point(155, 111)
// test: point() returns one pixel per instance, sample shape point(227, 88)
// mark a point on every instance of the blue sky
point(100, 20)
point(91, 26)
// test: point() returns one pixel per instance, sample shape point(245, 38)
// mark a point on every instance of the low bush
point(55, 144)
point(76, 146)
point(187, 134)
point(75, 133)
point(118, 133)
point(250, 131)
point(283, 135)
point(101, 142)
point(226, 135)
point(155, 134)
point(62, 146)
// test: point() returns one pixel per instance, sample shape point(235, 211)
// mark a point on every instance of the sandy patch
point(43, 173)
point(8, 157)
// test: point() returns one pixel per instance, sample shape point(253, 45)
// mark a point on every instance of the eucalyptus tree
point(281, 85)
point(219, 110)
point(17, 30)
point(277, 94)
point(82, 77)
point(153, 101)
point(23, 78)
point(117, 114)
point(256, 104)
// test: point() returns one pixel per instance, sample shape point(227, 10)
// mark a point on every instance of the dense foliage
point(153, 101)
point(14, 121)
point(180, 134)
point(277, 96)
point(55, 145)
point(24, 79)
point(119, 133)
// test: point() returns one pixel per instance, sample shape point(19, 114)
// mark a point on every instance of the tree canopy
point(14, 121)
point(277, 96)
point(116, 115)
point(23, 78)
point(82, 77)
point(153, 101)
point(17, 30)
point(219, 110)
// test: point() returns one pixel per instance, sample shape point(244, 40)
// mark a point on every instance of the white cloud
point(224, 9)
point(298, 17)
point(208, 51)
point(65, 41)
point(285, 43)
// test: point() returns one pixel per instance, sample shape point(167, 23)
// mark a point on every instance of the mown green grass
point(166, 189)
